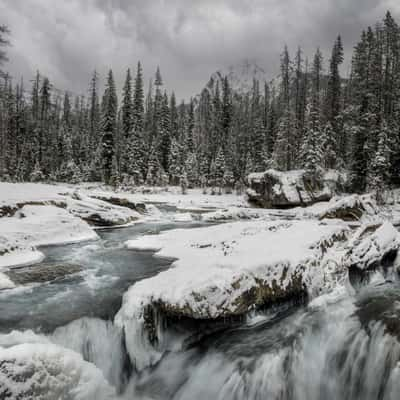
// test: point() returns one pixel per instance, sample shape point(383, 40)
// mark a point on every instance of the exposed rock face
point(275, 189)
point(42, 273)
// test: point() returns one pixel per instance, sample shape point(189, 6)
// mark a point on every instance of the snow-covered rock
point(99, 213)
point(48, 372)
point(231, 214)
point(182, 217)
point(226, 271)
point(245, 213)
point(350, 208)
point(121, 201)
point(276, 189)
point(371, 246)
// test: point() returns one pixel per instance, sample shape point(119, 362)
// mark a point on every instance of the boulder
point(276, 189)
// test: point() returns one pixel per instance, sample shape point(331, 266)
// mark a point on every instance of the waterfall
point(322, 351)
point(99, 342)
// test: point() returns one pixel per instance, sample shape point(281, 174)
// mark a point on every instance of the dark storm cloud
point(189, 39)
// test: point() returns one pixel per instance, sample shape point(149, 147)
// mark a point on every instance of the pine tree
point(127, 119)
point(138, 102)
point(191, 169)
point(153, 169)
point(330, 157)
point(190, 128)
point(165, 134)
point(379, 177)
point(94, 114)
point(110, 107)
point(173, 117)
point(219, 169)
point(312, 148)
point(175, 165)
point(4, 32)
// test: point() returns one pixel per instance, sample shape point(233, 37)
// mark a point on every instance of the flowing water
point(344, 345)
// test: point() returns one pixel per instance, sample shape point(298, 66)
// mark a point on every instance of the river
point(344, 345)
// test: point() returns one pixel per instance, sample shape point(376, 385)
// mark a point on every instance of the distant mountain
point(241, 77)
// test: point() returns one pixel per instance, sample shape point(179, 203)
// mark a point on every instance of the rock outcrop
point(275, 189)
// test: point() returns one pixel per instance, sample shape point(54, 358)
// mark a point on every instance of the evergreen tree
point(127, 118)
point(175, 165)
point(138, 102)
point(4, 32)
point(110, 107)
point(219, 169)
point(312, 148)
point(191, 169)
point(379, 177)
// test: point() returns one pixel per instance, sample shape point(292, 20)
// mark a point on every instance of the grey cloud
point(189, 39)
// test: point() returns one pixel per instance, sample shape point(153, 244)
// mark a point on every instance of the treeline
point(312, 119)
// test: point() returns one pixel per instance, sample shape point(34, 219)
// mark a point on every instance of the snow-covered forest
point(312, 116)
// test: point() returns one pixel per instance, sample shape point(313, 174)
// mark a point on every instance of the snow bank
point(48, 372)
point(227, 270)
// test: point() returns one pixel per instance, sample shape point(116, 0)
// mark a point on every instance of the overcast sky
point(189, 39)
